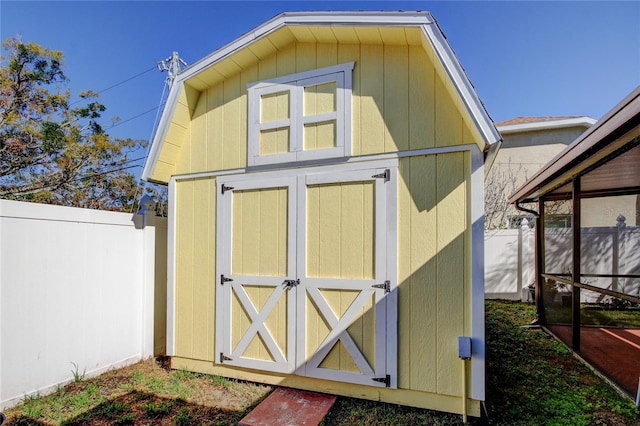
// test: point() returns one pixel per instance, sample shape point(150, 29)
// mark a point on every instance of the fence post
point(145, 221)
point(526, 262)
point(618, 248)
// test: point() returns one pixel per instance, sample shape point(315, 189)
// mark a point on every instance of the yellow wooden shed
point(326, 175)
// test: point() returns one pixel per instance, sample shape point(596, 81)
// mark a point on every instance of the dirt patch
point(146, 393)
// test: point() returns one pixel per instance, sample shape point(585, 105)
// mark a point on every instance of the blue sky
point(524, 58)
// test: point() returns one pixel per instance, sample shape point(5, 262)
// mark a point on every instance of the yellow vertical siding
point(401, 100)
point(326, 54)
point(195, 265)
point(433, 263)
point(340, 230)
point(372, 123)
point(452, 232)
point(417, 273)
point(340, 244)
point(421, 114)
point(259, 243)
point(447, 117)
point(260, 232)
point(396, 98)
point(234, 127)
point(215, 125)
point(306, 57)
point(348, 53)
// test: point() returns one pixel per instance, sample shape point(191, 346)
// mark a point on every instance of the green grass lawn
point(532, 379)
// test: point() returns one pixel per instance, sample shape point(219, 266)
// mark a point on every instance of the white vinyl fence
point(510, 259)
point(78, 287)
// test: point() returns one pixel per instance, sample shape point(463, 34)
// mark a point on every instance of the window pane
point(274, 141)
point(274, 106)
point(319, 135)
point(320, 98)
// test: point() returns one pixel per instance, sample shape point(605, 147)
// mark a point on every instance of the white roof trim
point(384, 18)
point(161, 131)
point(548, 124)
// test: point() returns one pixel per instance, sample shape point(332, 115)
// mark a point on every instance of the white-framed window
point(303, 116)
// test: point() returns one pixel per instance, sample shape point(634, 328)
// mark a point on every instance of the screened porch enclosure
point(606, 331)
point(587, 207)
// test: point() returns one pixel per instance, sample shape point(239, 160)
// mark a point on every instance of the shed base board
point(412, 398)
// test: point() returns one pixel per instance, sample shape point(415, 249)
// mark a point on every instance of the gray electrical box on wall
point(464, 347)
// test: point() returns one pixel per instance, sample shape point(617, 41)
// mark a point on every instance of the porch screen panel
point(558, 247)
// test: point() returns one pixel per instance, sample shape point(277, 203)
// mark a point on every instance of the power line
point(117, 84)
point(132, 118)
point(127, 80)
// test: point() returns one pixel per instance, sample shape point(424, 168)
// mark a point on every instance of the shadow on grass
point(144, 408)
point(138, 408)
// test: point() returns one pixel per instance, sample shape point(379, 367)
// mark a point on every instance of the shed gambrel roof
point(385, 27)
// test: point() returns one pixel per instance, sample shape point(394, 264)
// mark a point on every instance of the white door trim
point(284, 363)
point(297, 180)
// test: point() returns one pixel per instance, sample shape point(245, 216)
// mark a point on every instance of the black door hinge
point(386, 175)
point(224, 279)
point(386, 380)
point(386, 286)
point(225, 188)
point(224, 358)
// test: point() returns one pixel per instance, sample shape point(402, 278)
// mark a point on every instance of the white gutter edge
point(549, 124)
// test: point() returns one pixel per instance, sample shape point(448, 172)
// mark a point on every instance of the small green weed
point(77, 376)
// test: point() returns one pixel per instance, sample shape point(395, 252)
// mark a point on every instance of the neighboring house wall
point(527, 146)
point(80, 290)
point(606, 210)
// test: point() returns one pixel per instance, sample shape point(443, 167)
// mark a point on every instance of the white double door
point(305, 285)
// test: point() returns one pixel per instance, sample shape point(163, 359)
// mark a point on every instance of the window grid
point(335, 122)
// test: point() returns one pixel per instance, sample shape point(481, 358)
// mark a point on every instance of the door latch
point(289, 284)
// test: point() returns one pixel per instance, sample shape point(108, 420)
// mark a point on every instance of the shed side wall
point(433, 271)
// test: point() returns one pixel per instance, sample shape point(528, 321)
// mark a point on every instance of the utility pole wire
point(172, 66)
point(116, 85)
point(132, 118)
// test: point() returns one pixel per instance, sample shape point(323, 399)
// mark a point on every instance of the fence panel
point(510, 259)
point(509, 263)
point(76, 289)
